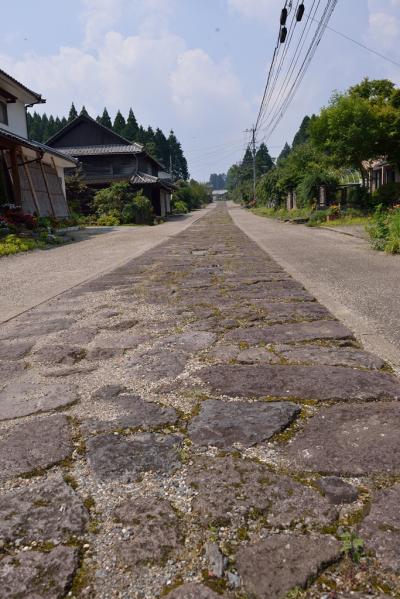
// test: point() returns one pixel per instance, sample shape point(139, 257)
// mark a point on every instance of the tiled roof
point(37, 96)
point(103, 149)
point(35, 145)
point(143, 178)
point(146, 179)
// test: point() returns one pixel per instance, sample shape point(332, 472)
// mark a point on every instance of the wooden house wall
point(114, 167)
point(58, 200)
point(87, 134)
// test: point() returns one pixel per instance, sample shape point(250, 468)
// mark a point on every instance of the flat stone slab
point(15, 350)
point(228, 488)
point(154, 531)
point(321, 383)
point(381, 528)
point(43, 511)
point(224, 353)
point(285, 333)
point(225, 424)
point(34, 445)
point(337, 490)
point(343, 356)
point(38, 575)
point(271, 568)
point(191, 341)
point(11, 370)
point(28, 397)
point(139, 414)
point(32, 329)
point(292, 312)
point(115, 456)
point(349, 440)
point(192, 590)
point(159, 363)
point(257, 355)
point(80, 336)
point(59, 354)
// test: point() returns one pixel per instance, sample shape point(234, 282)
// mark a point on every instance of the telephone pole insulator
point(284, 15)
point(282, 37)
point(300, 12)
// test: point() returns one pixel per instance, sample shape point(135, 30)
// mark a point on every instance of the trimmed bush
point(180, 207)
point(387, 195)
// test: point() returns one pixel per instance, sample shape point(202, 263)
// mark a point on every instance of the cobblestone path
point(195, 425)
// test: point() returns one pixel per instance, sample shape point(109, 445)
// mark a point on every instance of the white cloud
point(257, 9)
point(167, 83)
point(384, 29)
point(99, 16)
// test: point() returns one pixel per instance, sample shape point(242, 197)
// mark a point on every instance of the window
point(3, 113)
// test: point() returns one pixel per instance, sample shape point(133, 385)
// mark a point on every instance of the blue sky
point(196, 66)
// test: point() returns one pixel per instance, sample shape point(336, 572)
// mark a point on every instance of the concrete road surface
point(31, 278)
point(359, 285)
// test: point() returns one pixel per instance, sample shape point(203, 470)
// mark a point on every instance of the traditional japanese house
point(31, 174)
point(106, 157)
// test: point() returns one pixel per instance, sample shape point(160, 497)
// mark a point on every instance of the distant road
point(30, 278)
point(359, 285)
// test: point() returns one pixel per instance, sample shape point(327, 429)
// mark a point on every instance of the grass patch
point(346, 221)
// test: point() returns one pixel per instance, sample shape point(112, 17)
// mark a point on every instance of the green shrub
point(143, 210)
point(393, 240)
point(358, 197)
point(387, 195)
point(113, 198)
point(317, 217)
point(12, 244)
point(108, 220)
point(180, 207)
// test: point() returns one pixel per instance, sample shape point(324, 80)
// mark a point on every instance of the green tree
point(264, 162)
point(161, 147)
point(83, 111)
point(131, 127)
point(179, 164)
point(284, 154)
point(303, 134)
point(349, 130)
point(105, 119)
point(73, 113)
point(119, 123)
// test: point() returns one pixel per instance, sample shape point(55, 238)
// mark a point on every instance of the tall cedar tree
point(284, 154)
point(264, 162)
point(178, 161)
point(83, 111)
point(105, 119)
point(303, 134)
point(131, 127)
point(73, 113)
point(119, 123)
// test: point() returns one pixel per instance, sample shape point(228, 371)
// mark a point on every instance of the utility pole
point(253, 147)
point(253, 140)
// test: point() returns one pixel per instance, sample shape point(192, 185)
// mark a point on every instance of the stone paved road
point(359, 285)
point(34, 277)
point(194, 425)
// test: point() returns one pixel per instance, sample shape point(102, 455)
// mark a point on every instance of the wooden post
point(31, 186)
point(47, 188)
point(15, 177)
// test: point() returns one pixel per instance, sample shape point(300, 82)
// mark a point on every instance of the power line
point(318, 34)
point(350, 39)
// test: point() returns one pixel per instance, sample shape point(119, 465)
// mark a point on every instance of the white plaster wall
point(16, 119)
